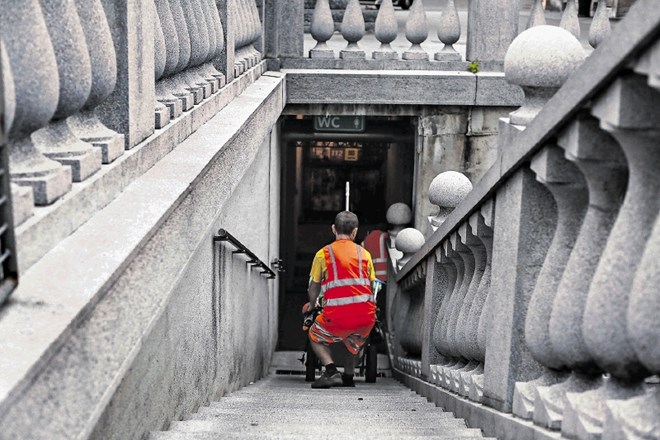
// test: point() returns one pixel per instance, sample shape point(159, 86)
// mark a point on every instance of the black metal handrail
point(223, 235)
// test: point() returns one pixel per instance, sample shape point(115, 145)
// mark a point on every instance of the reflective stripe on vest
point(362, 282)
point(349, 300)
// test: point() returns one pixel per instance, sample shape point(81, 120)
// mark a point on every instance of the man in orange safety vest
point(376, 243)
point(343, 272)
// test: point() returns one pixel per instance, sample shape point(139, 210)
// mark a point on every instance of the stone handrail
point(544, 278)
point(492, 25)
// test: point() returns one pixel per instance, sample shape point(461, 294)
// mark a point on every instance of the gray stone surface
point(448, 189)
point(95, 299)
point(386, 31)
point(449, 31)
point(492, 26)
point(380, 410)
point(352, 29)
point(129, 109)
point(600, 26)
point(322, 29)
point(408, 241)
point(605, 319)
point(521, 217)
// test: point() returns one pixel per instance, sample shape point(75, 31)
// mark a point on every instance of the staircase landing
point(285, 407)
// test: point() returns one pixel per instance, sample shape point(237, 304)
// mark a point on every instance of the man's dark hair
point(345, 222)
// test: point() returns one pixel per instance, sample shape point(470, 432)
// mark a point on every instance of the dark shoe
point(347, 380)
point(328, 380)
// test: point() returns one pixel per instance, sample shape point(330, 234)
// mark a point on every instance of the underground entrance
point(323, 156)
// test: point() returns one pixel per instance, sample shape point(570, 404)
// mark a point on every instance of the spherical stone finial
point(540, 60)
point(408, 241)
point(398, 214)
point(542, 56)
point(448, 189)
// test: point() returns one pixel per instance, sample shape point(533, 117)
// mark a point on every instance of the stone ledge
point(492, 422)
point(403, 87)
point(62, 339)
point(52, 224)
point(385, 65)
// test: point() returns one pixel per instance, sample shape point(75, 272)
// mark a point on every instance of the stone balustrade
point(541, 295)
point(90, 88)
point(492, 27)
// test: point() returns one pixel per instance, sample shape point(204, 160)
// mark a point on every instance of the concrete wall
point(138, 318)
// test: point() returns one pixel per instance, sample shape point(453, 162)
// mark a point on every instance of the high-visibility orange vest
point(375, 243)
point(347, 287)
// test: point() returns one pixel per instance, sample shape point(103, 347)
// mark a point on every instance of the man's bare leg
point(322, 352)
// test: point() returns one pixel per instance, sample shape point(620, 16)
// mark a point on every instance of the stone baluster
point(163, 93)
point(480, 312)
point(446, 191)
point(22, 197)
point(29, 49)
point(352, 29)
point(540, 60)
point(447, 276)
point(86, 124)
point(411, 331)
point(218, 31)
point(569, 19)
point(176, 84)
point(638, 416)
point(453, 263)
point(322, 29)
point(199, 44)
point(386, 30)
point(242, 37)
point(605, 325)
point(56, 141)
point(455, 325)
point(417, 31)
point(449, 31)
point(205, 69)
point(256, 30)
point(398, 215)
point(466, 329)
point(408, 241)
point(162, 112)
point(601, 162)
point(225, 60)
point(600, 25)
point(568, 188)
point(536, 15)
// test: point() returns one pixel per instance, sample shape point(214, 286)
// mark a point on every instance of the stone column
point(288, 29)
point(440, 147)
point(225, 62)
point(446, 191)
point(524, 220)
point(492, 26)
point(435, 290)
point(129, 110)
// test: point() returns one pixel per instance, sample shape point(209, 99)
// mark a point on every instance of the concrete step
point(173, 435)
point(286, 408)
point(315, 426)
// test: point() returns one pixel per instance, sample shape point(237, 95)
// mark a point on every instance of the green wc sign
point(339, 123)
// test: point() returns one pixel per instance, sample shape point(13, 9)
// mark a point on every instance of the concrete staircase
point(285, 407)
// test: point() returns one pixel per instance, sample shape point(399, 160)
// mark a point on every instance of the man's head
point(346, 223)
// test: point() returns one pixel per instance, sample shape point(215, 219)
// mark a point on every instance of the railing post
point(524, 219)
point(225, 62)
point(285, 35)
point(129, 109)
point(492, 26)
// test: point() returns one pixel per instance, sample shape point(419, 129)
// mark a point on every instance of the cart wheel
point(372, 363)
point(310, 365)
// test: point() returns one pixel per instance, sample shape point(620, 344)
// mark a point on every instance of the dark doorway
point(378, 164)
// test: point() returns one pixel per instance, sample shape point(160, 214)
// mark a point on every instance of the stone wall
point(149, 319)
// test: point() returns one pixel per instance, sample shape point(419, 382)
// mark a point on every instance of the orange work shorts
point(352, 331)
